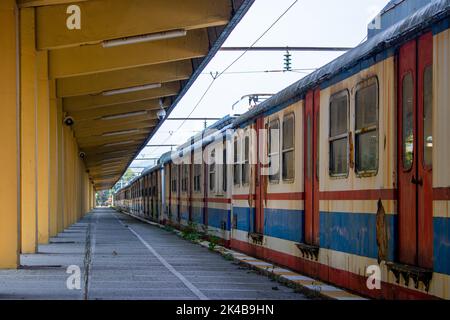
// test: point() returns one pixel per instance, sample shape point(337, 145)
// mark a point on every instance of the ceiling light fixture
point(125, 152)
point(120, 133)
point(124, 115)
point(111, 160)
point(118, 143)
point(131, 89)
point(144, 38)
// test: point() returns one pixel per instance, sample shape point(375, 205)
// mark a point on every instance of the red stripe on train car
point(243, 197)
point(286, 196)
point(383, 194)
point(340, 278)
point(219, 200)
point(441, 194)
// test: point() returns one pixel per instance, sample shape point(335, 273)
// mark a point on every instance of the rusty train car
point(363, 152)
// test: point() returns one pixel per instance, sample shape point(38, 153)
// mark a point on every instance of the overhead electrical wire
point(305, 70)
point(228, 67)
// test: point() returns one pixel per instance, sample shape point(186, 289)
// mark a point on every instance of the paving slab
point(122, 258)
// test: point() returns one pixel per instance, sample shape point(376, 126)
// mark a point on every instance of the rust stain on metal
point(382, 240)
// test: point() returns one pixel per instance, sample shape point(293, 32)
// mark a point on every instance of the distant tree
point(103, 198)
point(127, 177)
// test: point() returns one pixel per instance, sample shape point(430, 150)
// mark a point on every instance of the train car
point(343, 172)
point(200, 194)
point(362, 179)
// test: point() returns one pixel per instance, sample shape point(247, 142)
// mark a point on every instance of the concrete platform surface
point(108, 255)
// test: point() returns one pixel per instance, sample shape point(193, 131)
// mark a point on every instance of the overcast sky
point(309, 23)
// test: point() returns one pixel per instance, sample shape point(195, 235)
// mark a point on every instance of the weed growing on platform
point(228, 256)
point(190, 232)
point(213, 242)
point(168, 228)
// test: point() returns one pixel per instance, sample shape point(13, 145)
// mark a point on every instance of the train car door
point(157, 195)
point(170, 193)
point(178, 168)
point(146, 203)
point(190, 184)
point(415, 143)
point(205, 190)
point(311, 166)
point(151, 194)
point(259, 182)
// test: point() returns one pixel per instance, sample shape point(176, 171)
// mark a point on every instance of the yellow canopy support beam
point(28, 131)
point(91, 59)
point(106, 81)
point(115, 19)
point(89, 102)
point(36, 3)
point(9, 111)
point(43, 139)
point(86, 115)
point(87, 132)
point(99, 140)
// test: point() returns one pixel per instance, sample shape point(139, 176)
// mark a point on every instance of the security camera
point(69, 121)
point(161, 114)
point(82, 155)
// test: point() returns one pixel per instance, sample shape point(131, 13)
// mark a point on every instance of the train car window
point(318, 149)
point(408, 121)
point(428, 117)
point(246, 162)
point(309, 147)
point(236, 165)
point(366, 130)
point(274, 151)
point(184, 180)
point(197, 177)
point(224, 169)
point(174, 178)
point(338, 140)
point(288, 147)
point(212, 172)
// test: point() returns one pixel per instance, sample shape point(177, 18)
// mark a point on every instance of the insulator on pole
point(287, 61)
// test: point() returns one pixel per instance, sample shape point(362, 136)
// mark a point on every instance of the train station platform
point(120, 257)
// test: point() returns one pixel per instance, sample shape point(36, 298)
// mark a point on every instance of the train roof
point(208, 137)
point(203, 138)
point(354, 60)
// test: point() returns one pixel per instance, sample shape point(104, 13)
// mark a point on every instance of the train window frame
point(408, 164)
point(269, 149)
point(224, 168)
point(346, 135)
point(236, 162)
point(427, 166)
point(360, 86)
point(173, 183)
point(197, 181)
point(292, 149)
point(184, 178)
point(246, 159)
point(212, 172)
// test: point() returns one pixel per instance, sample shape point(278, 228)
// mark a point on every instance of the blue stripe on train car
point(217, 216)
point(173, 213)
point(441, 245)
point(184, 215)
point(197, 215)
point(284, 224)
point(355, 233)
point(244, 218)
